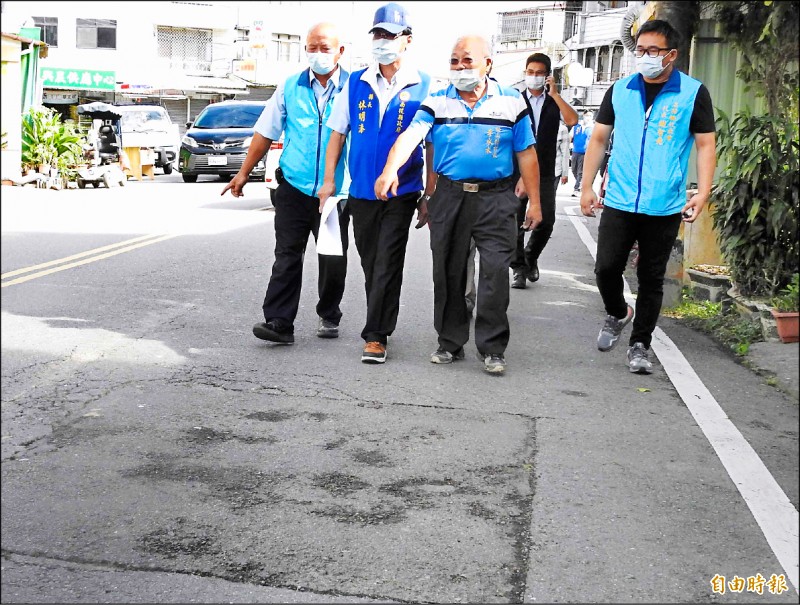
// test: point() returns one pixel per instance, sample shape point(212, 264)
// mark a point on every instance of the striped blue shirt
point(475, 144)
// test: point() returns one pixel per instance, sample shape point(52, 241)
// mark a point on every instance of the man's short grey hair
point(326, 26)
point(485, 48)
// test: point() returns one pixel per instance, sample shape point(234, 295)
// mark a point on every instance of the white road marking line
point(76, 256)
point(86, 261)
point(773, 511)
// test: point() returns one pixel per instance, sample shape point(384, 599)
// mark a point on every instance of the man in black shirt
point(663, 112)
point(546, 108)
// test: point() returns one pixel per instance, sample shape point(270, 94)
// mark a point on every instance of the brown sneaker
point(374, 352)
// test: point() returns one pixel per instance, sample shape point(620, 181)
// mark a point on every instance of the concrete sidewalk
point(778, 362)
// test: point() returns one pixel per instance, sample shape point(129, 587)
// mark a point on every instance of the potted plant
point(785, 310)
point(50, 146)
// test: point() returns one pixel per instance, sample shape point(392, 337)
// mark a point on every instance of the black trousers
point(527, 255)
point(380, 230)
point(618, 230)
point(296, 216)
point(577, 169)
point(457, 217)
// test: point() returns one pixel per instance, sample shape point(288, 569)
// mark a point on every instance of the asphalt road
point(153, 450)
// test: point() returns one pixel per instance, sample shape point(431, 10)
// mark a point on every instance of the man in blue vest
point(662, 114)
point(547, 109)
point(581, 134)
point(299, 108)
point(376, 105)
point(476, 127)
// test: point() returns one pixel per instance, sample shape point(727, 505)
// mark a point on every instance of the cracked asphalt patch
point(283, 488)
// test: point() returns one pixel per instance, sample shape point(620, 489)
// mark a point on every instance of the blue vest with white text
point(648, 167)
point(306, 136)
point(370, 142)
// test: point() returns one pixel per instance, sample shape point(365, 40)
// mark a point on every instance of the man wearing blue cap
point(376, 105)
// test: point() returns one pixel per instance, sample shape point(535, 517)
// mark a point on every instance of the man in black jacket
point(546, 108)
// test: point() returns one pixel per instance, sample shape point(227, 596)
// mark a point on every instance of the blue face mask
point(321, 63)
point(465, 80)
point(386, 52)
point(650, 67)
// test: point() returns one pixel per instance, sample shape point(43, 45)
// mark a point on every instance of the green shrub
point(47, 141)
point(756, 197)
point(756, 201)
point(789, 298)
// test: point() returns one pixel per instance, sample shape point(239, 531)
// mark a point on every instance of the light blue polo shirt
point(475, 144)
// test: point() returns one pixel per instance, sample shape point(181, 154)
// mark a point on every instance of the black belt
point(474, 187)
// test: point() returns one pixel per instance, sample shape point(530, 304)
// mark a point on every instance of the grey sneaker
point(442, 356)
point(638, 361)
point(327, 329)
point(493, 363)
point(609, 334)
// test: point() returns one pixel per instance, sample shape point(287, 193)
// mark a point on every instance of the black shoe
point(327, 329)
point(272, 332)
point(533, 272)
point(519, 280)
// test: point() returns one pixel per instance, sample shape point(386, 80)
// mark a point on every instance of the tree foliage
point(756, 196)
point(766, 33)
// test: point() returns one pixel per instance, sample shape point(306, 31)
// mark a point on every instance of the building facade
point(582, 39)
point(181, 55)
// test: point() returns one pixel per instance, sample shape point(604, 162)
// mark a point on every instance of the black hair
point(659, 26)
point(539, 58)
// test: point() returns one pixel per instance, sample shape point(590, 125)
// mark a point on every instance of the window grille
point(590, 60)
point(187, 49)
point(286, 48)
point(616, 63)
point(602, 64)
point(96, 33)
point(521, 25)
point(49, 27)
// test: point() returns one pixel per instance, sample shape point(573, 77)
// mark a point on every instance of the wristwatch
point(425, 198)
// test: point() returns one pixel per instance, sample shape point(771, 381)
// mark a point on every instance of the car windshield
point(143, 120)
point(229, 116)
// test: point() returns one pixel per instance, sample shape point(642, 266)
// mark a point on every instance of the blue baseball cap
point(392, 17)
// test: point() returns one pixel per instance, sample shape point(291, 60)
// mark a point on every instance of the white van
point(150, 126)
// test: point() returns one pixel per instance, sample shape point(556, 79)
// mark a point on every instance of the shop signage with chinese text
point(77, 79)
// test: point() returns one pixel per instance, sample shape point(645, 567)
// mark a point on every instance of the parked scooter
point(104, 147)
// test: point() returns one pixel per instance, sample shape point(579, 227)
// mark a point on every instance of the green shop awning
point(77, 78)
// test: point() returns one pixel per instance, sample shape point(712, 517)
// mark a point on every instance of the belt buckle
point(471, 187)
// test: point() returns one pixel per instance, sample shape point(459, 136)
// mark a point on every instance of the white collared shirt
point(385, 91)
point(536, 104)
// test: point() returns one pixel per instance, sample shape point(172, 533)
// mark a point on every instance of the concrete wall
point(11, 84)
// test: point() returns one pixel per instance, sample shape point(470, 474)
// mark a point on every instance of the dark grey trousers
point(577, 169)
point(490, 218)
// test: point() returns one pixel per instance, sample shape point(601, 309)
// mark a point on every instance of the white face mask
point(534, 82)
point(465, 80)
point(321, 63)
point(386, 52)
point(650, 67)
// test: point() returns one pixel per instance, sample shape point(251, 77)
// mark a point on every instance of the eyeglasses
point(382, 34)
point(652, 51)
